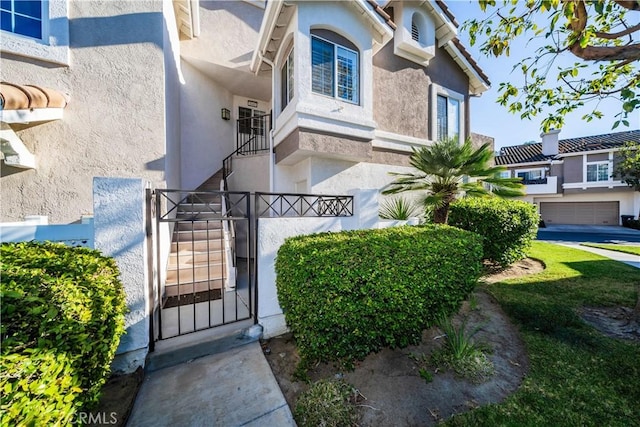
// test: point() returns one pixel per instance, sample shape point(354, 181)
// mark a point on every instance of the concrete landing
point(231, 388)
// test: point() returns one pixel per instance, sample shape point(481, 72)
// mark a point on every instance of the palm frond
point(398, 208)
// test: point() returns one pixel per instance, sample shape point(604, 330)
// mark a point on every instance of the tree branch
point(628, 4)
point(611, 36)
point(606, 53)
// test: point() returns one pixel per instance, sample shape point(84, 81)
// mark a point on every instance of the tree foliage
point(600, 31)
point(447, 169)
point(628, 165)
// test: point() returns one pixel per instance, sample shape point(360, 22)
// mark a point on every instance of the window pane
point(603, 172)
point(322, 67)
point(284, 82)
point(5, 5)
point(592, 173)
point(27, 27)
point(5, 19)
point(347, 75)
point(290, 74)
point(453, 110)
point(442, 118)
point(244, 120)
point(32, 9)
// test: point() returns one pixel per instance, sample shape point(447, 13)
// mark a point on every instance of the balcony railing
point(534, 181)
point(253, 134)
point(302, 205)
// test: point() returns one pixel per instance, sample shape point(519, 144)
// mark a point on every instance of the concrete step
point(197, 245)
point(195, 273)
point(200, 207)
point(189, 262)
point(214, 224)
point(173, 289)
point(194, 257)
point(206, 234)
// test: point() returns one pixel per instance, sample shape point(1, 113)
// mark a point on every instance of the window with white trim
point(22, 17)
point(286, 81)
point(448, 118)
point(598, 171)
point(334, 70)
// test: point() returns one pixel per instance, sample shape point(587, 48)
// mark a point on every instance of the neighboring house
point(155, 89)
point(572, 180)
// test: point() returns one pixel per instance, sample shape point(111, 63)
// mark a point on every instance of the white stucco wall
point(271, 235)
point(114, 124)
point(173, 80)
point(331, 176)
point(206, 138)
point(119, 226)
point(285, 177)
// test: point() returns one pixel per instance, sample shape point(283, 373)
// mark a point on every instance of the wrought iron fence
point(302, 205)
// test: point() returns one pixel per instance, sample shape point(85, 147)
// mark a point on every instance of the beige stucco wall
point(401, 91)
point(114, 124)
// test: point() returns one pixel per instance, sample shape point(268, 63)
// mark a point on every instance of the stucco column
point(119, 228)
point(366, 207)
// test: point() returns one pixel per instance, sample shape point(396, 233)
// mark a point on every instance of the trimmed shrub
point(345, 295)
point(62, 317)
point(507, 227)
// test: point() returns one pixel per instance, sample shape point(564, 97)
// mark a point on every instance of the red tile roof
point(532, 153)
point(29, 97)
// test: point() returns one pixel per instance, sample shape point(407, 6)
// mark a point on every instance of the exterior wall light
point(226, 114)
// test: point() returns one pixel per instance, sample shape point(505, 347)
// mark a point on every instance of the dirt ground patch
point(116, 400)
point(389, 381)
point(613, 322)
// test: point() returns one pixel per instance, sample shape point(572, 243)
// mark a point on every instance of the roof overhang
point(477, 83)
point(187, 13)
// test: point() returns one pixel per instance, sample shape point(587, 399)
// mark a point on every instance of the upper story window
point(448, 118)
point(286, 81)
point(334, 70)
point(22, 17)
point(598, 171)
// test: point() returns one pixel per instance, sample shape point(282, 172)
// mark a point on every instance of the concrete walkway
point(232, 388)
point(630, 259)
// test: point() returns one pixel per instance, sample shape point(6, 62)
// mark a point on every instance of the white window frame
point(597, 165)
point(288, 83)
point(54, 44)
point(436, 90)
point(586, 164)
point(356, 79)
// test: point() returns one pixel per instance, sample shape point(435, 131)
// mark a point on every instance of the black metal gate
point(203, 252)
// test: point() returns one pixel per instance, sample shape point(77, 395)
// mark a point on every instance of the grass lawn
point(634, 250)
point(577, 376)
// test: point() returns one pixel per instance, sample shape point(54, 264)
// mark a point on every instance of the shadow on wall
point(146, 27)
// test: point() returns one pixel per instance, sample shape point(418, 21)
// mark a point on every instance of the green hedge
point(62, 317)
point(507, 227)
point(345, 295)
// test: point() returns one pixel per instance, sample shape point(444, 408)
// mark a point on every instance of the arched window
point(335, 68)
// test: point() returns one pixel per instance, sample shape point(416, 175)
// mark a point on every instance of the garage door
point(594, 213)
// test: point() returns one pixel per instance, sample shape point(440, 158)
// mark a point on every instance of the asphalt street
point(591, 234)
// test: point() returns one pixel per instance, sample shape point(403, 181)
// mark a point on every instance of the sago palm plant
point(447, 169)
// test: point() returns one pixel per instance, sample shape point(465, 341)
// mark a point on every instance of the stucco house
point(572, 181)
point(307, 97)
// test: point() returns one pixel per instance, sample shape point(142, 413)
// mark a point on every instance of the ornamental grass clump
point(62, 317)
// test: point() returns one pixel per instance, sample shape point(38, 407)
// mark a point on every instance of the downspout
point(272, 157)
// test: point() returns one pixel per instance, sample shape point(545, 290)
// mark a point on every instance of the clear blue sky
point(492, 119)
